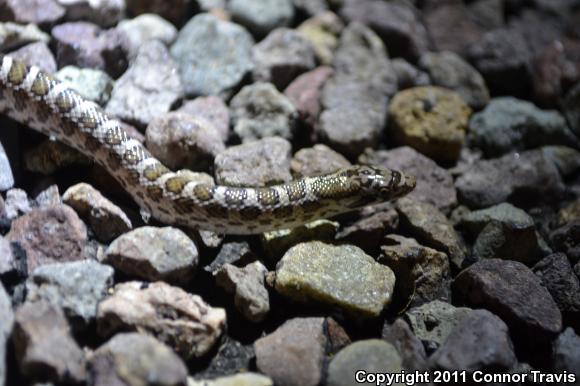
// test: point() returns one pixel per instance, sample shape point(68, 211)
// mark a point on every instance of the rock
point(431, 120)
point(16, 203)
point(231, 253)
point(300, 345)
point(180, 140)
point(409, 76)
point(510, 290)
point(212, 109)
point(48, 197)
point(397, 23)
point(503, 232)
point(528, 177)
point(434, 321)
point(261, 17)
point(260, 163)
point(247, 284)
point(46, 12)
point(175, 11)
point(480, 341)
point(342, 276)
point(148, 88)
point(156, 308)
point(282, 56)
point(246, 378)
point(434, 184)
point(153, 254)
point(508, 124)
point(6, 323)
point(566, 239)
point(6, 176)
point(423, 273)
point(566, 159)
point(37, 54)
point(49, 235)
point(431, 228)
point(566, 352)
point(557, 275)
point(76, 287)
point(317, 160)
point(231, 358)
point(44, 348)
point(569, 213)
point(13, 35)
point(323, 31)
point(305, 92)
point(12, 260)
point(214, 56)
point(313, 7)
point(135, 359)
point(366, 356)
point(571, 110)
point(102, 12)
point(94, 85)
point(367, 233)
point(106, 219)
point(408, 346)
point(448, 70)
point(144, 28)
point(51, 156)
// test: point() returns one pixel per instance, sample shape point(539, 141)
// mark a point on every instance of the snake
point(38, 100)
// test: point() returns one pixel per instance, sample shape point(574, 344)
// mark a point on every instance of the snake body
point(38, 100)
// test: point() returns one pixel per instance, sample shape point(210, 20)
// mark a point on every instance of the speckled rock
point(323, 30)
point(341, 276)
point(45, 12)
point(231, 358)
point(316, 160)
point(149, 88)
point(371, 356)
point(76, 287)
point(479, 341)
point(510, 290)
point(6, 323)
point(434, 321)
point(247, 284)
point(213, 55)
point(94, 85)
point(44, 347)
point(509, 124)
point(48, 197)
point(430, 119)
point(133, 359)
point(242, 379)
point(106, 219)
point(180, 140)
point(14, 35)
point(423, 273)
point(259, 111)
point(258, 163)
point(449, 70)
point(144, 28)
point(434, 184)
point(16, 203)
point(261, 16)
point(566, 239)
point(300, 345)
point(6, 176)
point(409, 76)
point(571, 110)
point(566, 354)
point(49, 235)
point(156, 309)
point(37, 54)
point(502, 231)
point(105, 13)
point(408, 346)
point(231, 252)
point(213, 109)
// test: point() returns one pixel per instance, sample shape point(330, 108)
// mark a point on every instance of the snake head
point(379, 184)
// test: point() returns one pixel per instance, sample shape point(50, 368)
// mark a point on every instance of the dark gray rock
point(231, 253)
point(408, 75)
point(410, 348)
point(566, 239)
point(565, 158)
point(261, 16)
point(232, 358)
point(368, 232)
point(571, 107)
point(104, 12)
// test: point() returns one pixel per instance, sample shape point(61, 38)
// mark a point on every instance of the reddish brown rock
point(304, 92)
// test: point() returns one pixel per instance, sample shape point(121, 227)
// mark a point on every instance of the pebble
point(16, 204)
point(156, 308)
point(447, 69)
point(566, 352)
point(480, 341)
point(232, 357)
point(408, 346)
point(431, 228)
point(134, 359)
point(300, 345)
point(243, 379)
point(317, 160)
point(259, 163)
point(37, 54)
point(529, 176)
point(368, 231)
point(13, 35)
point(39, 12)
point(261, 16)
point(45, 349)
point(433, 322)
point(180, 140)
point(342, 276)
point(370, 355)
point(409, 76)
point(571, 110)
point(422, 273)
point(49, 235)
point(232, 252)
point(106, 219)
point(152, 254)
point(213, 55)
point(510, 290)
point(175, 11)
point(12, 260)
point(212, 109)
point(6, 323)
point(509, 124)
point(144, 28)
point(430, 119)
point(323, 31)
point(569, 213)
point(566, 239)
point(148, 88)
point(94, 85)
point(566, 159)
point(504, 232)
point(247, 284)
point(105, 13)
point(281, 56)
point(434, 183)
point(6, 176)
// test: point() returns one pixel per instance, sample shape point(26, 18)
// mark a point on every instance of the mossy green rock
point(341, 276)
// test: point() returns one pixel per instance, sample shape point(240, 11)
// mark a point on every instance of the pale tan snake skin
point(37, 100)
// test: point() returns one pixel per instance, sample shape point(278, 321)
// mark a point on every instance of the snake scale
point(38, 100)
